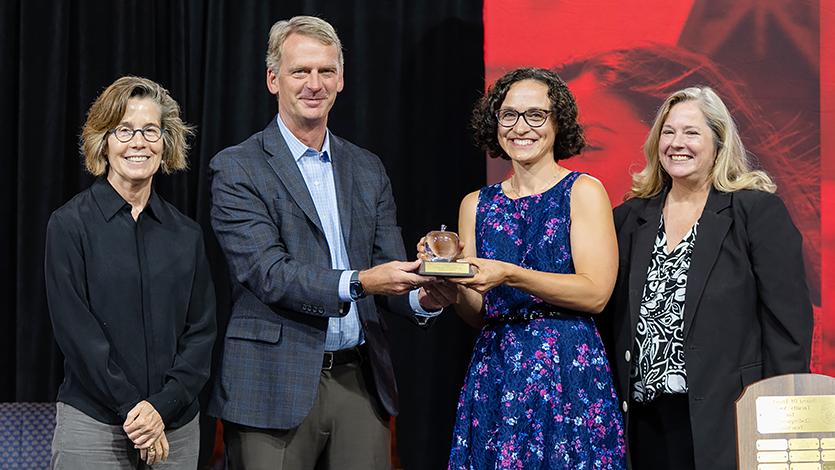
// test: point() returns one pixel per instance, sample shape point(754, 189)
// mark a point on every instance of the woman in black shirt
point(129, 292)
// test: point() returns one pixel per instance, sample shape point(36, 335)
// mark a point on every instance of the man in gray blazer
point(308, 226)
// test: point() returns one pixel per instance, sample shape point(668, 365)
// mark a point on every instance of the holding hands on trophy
point(441, 252)
point(438, 251)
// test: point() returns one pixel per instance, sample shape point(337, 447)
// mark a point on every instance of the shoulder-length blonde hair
point(107, 111)
point(732, 169)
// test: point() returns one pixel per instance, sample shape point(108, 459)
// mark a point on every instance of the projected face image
point(614, 134)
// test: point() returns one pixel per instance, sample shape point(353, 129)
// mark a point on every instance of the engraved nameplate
point(801, 444)
point(804, 456)
point(773, 466)
point(767, 457)
point(772, 444)
point(796, 414)
point(805, 466)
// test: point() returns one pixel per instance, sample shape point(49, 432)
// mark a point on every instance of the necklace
point(545, 186)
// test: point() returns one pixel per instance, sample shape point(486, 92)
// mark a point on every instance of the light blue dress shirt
point(317, 171)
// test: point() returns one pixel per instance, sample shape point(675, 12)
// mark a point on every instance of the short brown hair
point(107, 111)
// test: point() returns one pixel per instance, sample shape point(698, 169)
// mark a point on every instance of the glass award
point(443, 249)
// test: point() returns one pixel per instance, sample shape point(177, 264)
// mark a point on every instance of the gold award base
point(446, 269)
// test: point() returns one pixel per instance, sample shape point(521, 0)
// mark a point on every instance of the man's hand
point(437, 295)
point(143, 425)
point(156, 453)
point(393, 278)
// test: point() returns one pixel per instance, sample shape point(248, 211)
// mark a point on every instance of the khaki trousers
point(344, 430)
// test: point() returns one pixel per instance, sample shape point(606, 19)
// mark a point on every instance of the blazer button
point(627, 355)
point(625, 406)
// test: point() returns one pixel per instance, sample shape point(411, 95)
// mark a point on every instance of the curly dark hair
point(569, 140)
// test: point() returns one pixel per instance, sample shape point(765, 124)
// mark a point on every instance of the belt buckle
point(327, 363)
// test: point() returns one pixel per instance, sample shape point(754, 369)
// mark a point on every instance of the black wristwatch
point(355, 288)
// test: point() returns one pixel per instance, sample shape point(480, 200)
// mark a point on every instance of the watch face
point(357, 292)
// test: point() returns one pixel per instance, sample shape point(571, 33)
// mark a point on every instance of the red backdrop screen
point(621, 58)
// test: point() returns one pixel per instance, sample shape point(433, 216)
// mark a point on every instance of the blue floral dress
point(538, 393)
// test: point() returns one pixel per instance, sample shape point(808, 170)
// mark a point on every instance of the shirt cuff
point(345, 286)
point(419, 311)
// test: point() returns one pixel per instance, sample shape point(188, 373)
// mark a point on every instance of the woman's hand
point(143, 425)
point(156, 453)
point(489, 274)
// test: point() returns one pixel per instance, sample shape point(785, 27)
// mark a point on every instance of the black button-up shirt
point(132, 306)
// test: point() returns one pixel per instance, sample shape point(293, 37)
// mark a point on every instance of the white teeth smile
point(679, 158)
point(522, 141)
point(140, 158)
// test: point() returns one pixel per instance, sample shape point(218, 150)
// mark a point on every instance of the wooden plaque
point(787, 422)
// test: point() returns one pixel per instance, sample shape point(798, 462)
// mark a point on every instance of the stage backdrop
point(621, 58)
point(412, 73)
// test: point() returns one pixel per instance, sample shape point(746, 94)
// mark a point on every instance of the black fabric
point(413, 71)
point(659, 434)
point(747, 315)
point(132, 304)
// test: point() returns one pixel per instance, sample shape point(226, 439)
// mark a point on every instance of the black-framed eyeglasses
point(124, 134)
point(534, 117)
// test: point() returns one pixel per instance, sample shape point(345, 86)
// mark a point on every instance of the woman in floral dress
point(538, 393)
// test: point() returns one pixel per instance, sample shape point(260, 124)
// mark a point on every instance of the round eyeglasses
point(124, 134)
point(534, 117)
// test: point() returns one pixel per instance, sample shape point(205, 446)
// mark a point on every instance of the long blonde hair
point(732, 169)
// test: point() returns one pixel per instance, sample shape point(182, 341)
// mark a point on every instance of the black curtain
point(413, 71)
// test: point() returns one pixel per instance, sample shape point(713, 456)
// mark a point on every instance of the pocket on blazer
point(254, 329)
point(751, 373)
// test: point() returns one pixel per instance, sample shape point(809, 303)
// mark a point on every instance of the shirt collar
point(110, 202)
point(298, 149)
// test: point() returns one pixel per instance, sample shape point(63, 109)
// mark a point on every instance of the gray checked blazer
point(283, 288)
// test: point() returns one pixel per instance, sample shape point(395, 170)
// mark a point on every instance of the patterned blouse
point(659, 340)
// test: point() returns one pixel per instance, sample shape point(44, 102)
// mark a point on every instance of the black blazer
point(747, 313)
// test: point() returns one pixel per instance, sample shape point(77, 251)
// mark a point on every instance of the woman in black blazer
point(711, 293)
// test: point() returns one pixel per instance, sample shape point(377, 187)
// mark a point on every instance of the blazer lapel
point(288, 172)
point(713, 226)
point(642, 242)
point(343, 176)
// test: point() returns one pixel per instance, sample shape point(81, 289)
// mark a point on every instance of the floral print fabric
point(538, 394)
